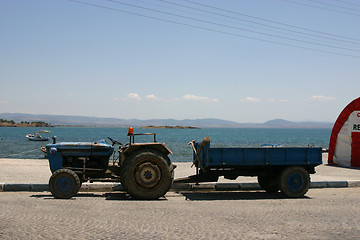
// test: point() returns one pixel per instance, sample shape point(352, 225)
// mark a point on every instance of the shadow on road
point(190, 196)
point(79, 195)
point(212, 196)
point(119, 196)
point(122, 196)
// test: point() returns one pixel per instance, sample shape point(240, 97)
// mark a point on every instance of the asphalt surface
point(331, 213)
point(330, 210)
point(34, 174)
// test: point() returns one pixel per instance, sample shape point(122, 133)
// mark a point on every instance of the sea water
point(13, 143)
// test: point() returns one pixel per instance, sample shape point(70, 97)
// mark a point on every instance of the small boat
point(37, 136)
point(270, 145)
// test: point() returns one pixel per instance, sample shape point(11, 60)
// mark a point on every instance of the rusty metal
point(132, 136)
point(147, 174)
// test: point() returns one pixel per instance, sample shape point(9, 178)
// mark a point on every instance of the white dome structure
point(344, 146)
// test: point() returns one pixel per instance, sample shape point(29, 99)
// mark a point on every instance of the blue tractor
point(144, 169)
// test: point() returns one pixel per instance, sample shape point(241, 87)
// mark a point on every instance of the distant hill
point(281, 123)
point(68, 120)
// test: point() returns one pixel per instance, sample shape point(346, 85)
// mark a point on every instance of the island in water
point(11, 123)
point(174, 127)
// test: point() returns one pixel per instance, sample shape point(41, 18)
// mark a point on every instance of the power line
point(214, 30)
point(271, 21)
point(322, 8)
point(260, 24)
point(163, 6)
point(334, 5)
point(233, 27)
point(202, 15)
point(349, 3)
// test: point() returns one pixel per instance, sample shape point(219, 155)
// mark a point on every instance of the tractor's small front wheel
point(64, 184)
point(147, 174)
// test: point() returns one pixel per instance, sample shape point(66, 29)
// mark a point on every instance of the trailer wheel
point(294, 182)
point(64, 183)
point(269, 183)
point(147, 175)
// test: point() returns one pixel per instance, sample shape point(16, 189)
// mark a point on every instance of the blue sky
point(244, 60)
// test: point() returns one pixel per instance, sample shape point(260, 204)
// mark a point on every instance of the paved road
point(322, 214)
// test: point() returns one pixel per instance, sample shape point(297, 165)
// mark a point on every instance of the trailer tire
point(294, 182)
point(64, 184)
point(147, 174)
point(269, 183)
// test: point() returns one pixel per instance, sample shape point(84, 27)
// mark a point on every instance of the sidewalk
point(34, 174)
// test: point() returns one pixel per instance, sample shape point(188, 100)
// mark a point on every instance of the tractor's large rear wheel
point(147, 174)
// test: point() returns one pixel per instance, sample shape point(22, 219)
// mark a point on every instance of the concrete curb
point(177, 187)
point(9, 187)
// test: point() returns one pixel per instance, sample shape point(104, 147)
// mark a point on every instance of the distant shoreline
point(84, 121)
point(24, 125)
point(93, 126)
point(171, 127)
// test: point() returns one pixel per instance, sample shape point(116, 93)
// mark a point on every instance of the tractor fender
point(138, 146)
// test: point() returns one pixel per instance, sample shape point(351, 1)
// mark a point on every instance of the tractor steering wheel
point(114, 141)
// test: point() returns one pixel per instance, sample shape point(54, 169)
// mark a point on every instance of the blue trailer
point(277, 168)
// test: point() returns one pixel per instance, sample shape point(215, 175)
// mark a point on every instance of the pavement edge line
point(96, 187)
